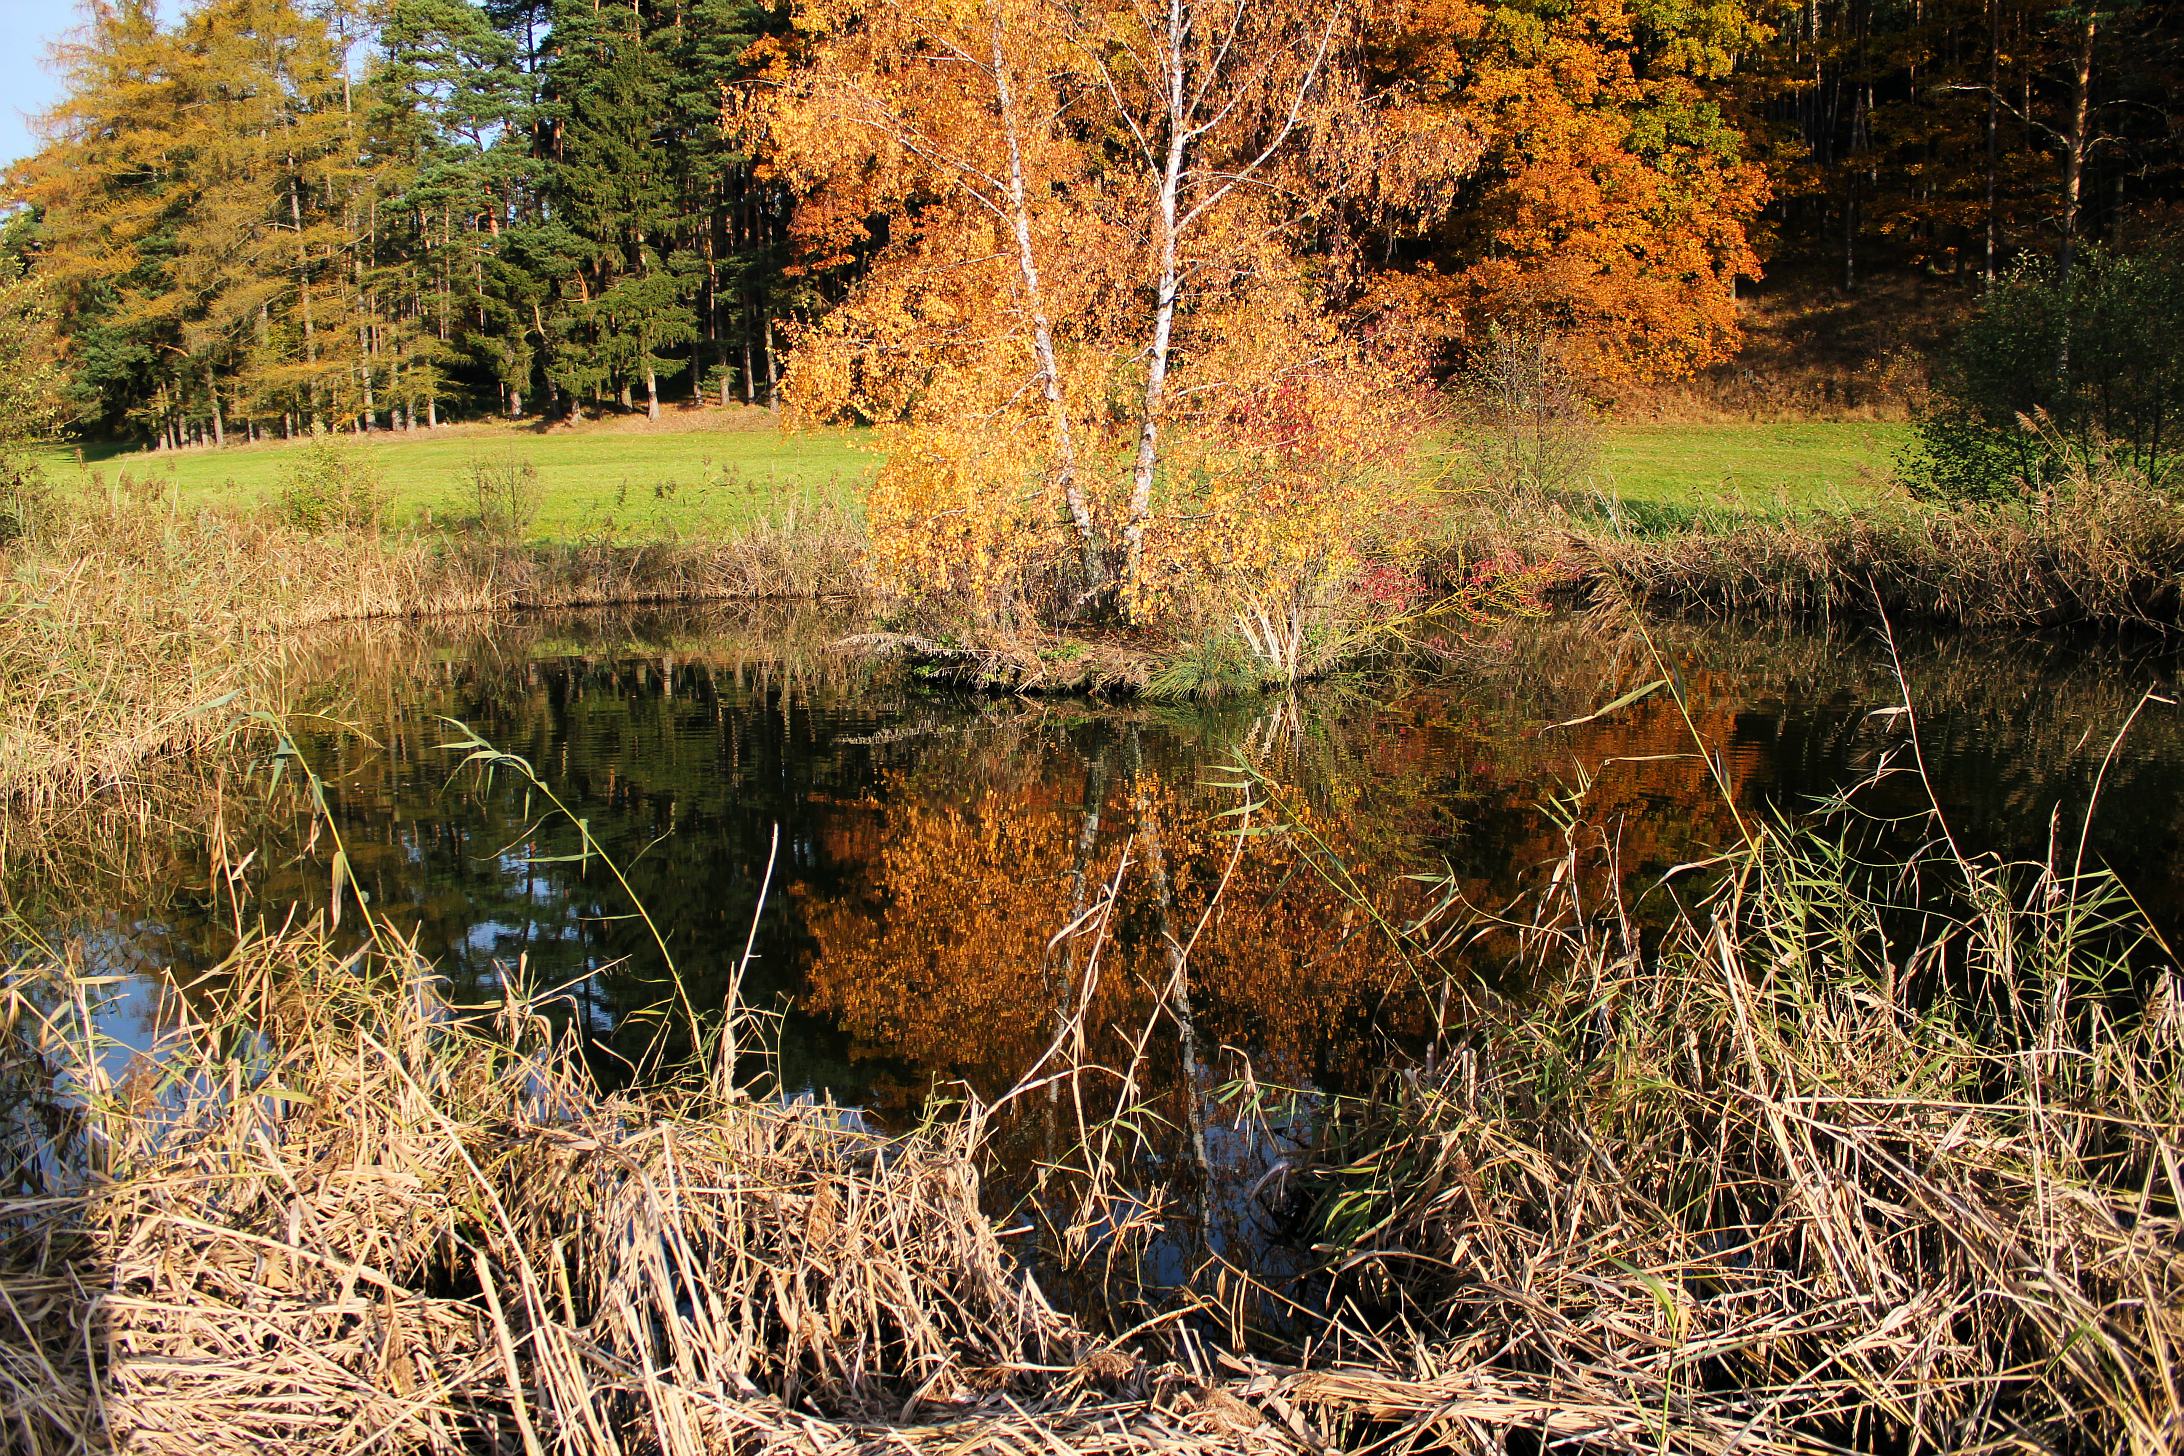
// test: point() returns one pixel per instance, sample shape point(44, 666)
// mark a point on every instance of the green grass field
point(608, 478)
point(723, 470)
point(1753, 466)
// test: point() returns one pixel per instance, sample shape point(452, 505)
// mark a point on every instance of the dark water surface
point(923, 852)
point(927, 847)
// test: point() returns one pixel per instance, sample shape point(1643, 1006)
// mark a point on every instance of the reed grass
point(1797, 1178)
point(131, 632)
point(2105, 553)
point(1863, 1152)
point(341, 1211)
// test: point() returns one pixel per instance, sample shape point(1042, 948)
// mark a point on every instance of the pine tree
point(612, 185)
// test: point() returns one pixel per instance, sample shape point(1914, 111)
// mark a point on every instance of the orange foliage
point(1102, 326)
point(1614, 199)
point(945, 960)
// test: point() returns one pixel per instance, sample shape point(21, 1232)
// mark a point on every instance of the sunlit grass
point(1800, 466)
point(714, 473)
point(715, 476)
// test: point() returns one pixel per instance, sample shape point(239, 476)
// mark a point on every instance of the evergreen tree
point(612, 185)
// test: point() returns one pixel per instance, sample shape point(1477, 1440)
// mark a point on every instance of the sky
point(26, 86)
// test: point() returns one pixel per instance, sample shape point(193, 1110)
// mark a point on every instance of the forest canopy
point(274, 214)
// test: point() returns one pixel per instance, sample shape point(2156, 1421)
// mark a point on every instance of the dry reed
point(1802, 1175)
point(2106, 554)
point(128, 634)
point(1789, 1180)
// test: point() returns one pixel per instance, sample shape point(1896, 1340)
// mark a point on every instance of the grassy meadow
point(1756, 466)
point(704, 473)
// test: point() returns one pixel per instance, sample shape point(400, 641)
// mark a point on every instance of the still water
point(921, 851)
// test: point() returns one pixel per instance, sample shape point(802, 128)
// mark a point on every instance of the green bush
point(2058, 376)
point(508, 494)
point(329, 488)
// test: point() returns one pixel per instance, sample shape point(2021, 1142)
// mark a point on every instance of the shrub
point(1531, 426)
point(508, 494)
point(330, 488)
point(2059, 375)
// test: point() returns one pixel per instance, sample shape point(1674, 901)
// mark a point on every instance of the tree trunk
point(652, 395)
point(219, 426)
point(2075, 140)
point(1994, 128)
point(773, 379)
point(1042, 332)
point(1156, 373)
point(303, 290)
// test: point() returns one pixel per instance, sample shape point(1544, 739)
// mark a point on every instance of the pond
point(925, 889)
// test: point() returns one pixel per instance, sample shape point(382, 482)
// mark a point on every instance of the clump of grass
point(2105, 551)
point(1212, 665)
point(332, 487)
point(508, 495)
point(26, 496)
point(341, 1211)
point(1796, 1175)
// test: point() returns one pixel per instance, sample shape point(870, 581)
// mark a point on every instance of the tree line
point(272, 216)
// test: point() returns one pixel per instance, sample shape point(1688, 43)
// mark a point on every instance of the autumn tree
point(1101, 312)
point(1613, 201)
point(194, 200)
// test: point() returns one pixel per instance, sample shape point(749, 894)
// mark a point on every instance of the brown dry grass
point(1769, 1186)
point(2105, 554)
point(1793, 1177)
point(128, 634)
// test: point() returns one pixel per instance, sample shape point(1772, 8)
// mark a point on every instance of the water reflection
point(932, 846)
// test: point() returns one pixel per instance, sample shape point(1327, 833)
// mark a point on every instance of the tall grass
point(340, 1213)
point(1860, 1151)
point(129, 630)
point(1818, 1169)
point(2105, 551)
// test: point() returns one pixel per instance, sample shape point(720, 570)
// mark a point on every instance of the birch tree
point(1090, 234)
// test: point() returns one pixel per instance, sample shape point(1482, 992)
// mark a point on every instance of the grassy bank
point(2104, 553)
point(129, 633)
point(134, 625)
point(1803, 1174)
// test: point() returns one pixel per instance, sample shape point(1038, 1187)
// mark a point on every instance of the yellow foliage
point(947, 961)
point(1106, 330)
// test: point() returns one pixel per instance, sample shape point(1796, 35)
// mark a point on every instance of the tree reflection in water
point(933, 847)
